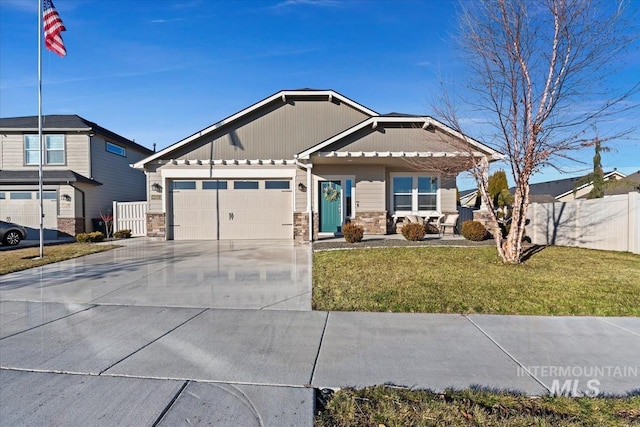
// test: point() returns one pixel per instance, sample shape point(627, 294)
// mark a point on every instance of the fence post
point(634, 222)
point(115, 216)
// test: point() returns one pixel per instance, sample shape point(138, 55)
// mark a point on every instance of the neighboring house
point(560, 190)
point(624, 185)
point(86, 167)
point(303, 160)
point(565, 190)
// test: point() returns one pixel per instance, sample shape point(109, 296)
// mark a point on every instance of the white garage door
point(231, 209)
point(23, 207)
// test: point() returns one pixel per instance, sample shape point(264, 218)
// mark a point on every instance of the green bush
point(353, 233)
point(122, 234)
point(413, 231)
point(474, 231)
point(94, 237)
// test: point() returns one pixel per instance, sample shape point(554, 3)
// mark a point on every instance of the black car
point(11, 234)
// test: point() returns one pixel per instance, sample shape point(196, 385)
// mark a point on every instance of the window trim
point(414, 193)
point(46, 149)
point(115, 148)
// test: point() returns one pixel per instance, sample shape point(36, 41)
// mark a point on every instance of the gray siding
point(370, 185)
point(448, 194)
point(120, 181)
point(76, 153)
point(395, 137)
point(277, 131)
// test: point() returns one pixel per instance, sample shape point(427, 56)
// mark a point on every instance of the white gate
point(130, 216)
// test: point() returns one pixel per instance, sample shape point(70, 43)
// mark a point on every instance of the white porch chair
point(450, 220)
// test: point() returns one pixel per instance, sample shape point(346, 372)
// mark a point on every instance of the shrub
point(353, 233)
point(122, 234)
point(413, 231)
point(431, 228)
point(96, 236)
point(474, 231)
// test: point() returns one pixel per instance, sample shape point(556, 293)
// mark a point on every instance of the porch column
point(310, 200)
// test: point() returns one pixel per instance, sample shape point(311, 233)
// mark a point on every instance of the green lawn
point(386, 406)
point(554, 281)
point(22, 259)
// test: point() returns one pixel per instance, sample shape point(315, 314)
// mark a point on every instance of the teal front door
point(330, 212)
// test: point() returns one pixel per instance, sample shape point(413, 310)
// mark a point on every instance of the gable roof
point(550, 191)
point(423, 121)
point(278, 96)
point(63, 122)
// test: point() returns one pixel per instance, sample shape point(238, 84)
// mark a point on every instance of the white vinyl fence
point(130, 216)
point(611, 223)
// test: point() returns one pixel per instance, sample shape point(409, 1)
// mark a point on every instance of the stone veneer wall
point(373, 222)
point(486, 219)
point(316, 225)
point(71, 226)
point(156, 225)
point(300, 227)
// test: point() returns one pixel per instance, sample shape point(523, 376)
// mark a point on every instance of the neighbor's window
point(116, 149)
point(183, 185)
point(414, 193)
point(245, 185)
point(214, 185)
point(54, 150)
point(2, 196)
point(277, 185)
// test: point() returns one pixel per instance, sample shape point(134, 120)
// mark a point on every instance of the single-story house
point(86, 167)
point(299, 164)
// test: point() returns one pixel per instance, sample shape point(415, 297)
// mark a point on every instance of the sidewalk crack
point(152, 341)
point(315, 362)
point(509, 355)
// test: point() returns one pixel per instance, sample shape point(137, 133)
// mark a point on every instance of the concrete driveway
point(208, 274)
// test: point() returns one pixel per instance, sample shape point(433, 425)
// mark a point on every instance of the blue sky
point(158, 71)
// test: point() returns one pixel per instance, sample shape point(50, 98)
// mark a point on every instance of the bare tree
point(539, 70)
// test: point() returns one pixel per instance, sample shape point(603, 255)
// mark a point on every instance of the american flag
point(53, 26)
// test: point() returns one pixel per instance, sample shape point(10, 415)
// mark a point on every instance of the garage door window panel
point(245, 185)
point(277, 185)
point(20, 195)
point(183, 185)
point(214, 185)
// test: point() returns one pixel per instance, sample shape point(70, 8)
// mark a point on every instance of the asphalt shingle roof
point(65, 121)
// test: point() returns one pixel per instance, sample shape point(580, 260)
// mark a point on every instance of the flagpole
point(40, 139)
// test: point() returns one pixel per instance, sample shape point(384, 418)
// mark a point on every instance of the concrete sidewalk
point(135, 365)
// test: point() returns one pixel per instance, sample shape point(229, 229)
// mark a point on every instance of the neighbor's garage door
point(231, 209)
point(23, 207)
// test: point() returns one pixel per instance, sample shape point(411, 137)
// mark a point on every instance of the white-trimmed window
point(54, 150)
point(414, 193)
point(116, 149)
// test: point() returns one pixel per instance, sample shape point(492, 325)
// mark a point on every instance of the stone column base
point(301, 227)
point(70, 226)
point(156, 225)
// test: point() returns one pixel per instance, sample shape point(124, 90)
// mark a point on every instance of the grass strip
point(23, 259)
point(389, 406)
point(557, 281)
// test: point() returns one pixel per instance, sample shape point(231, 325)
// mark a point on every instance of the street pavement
point(173, 333)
